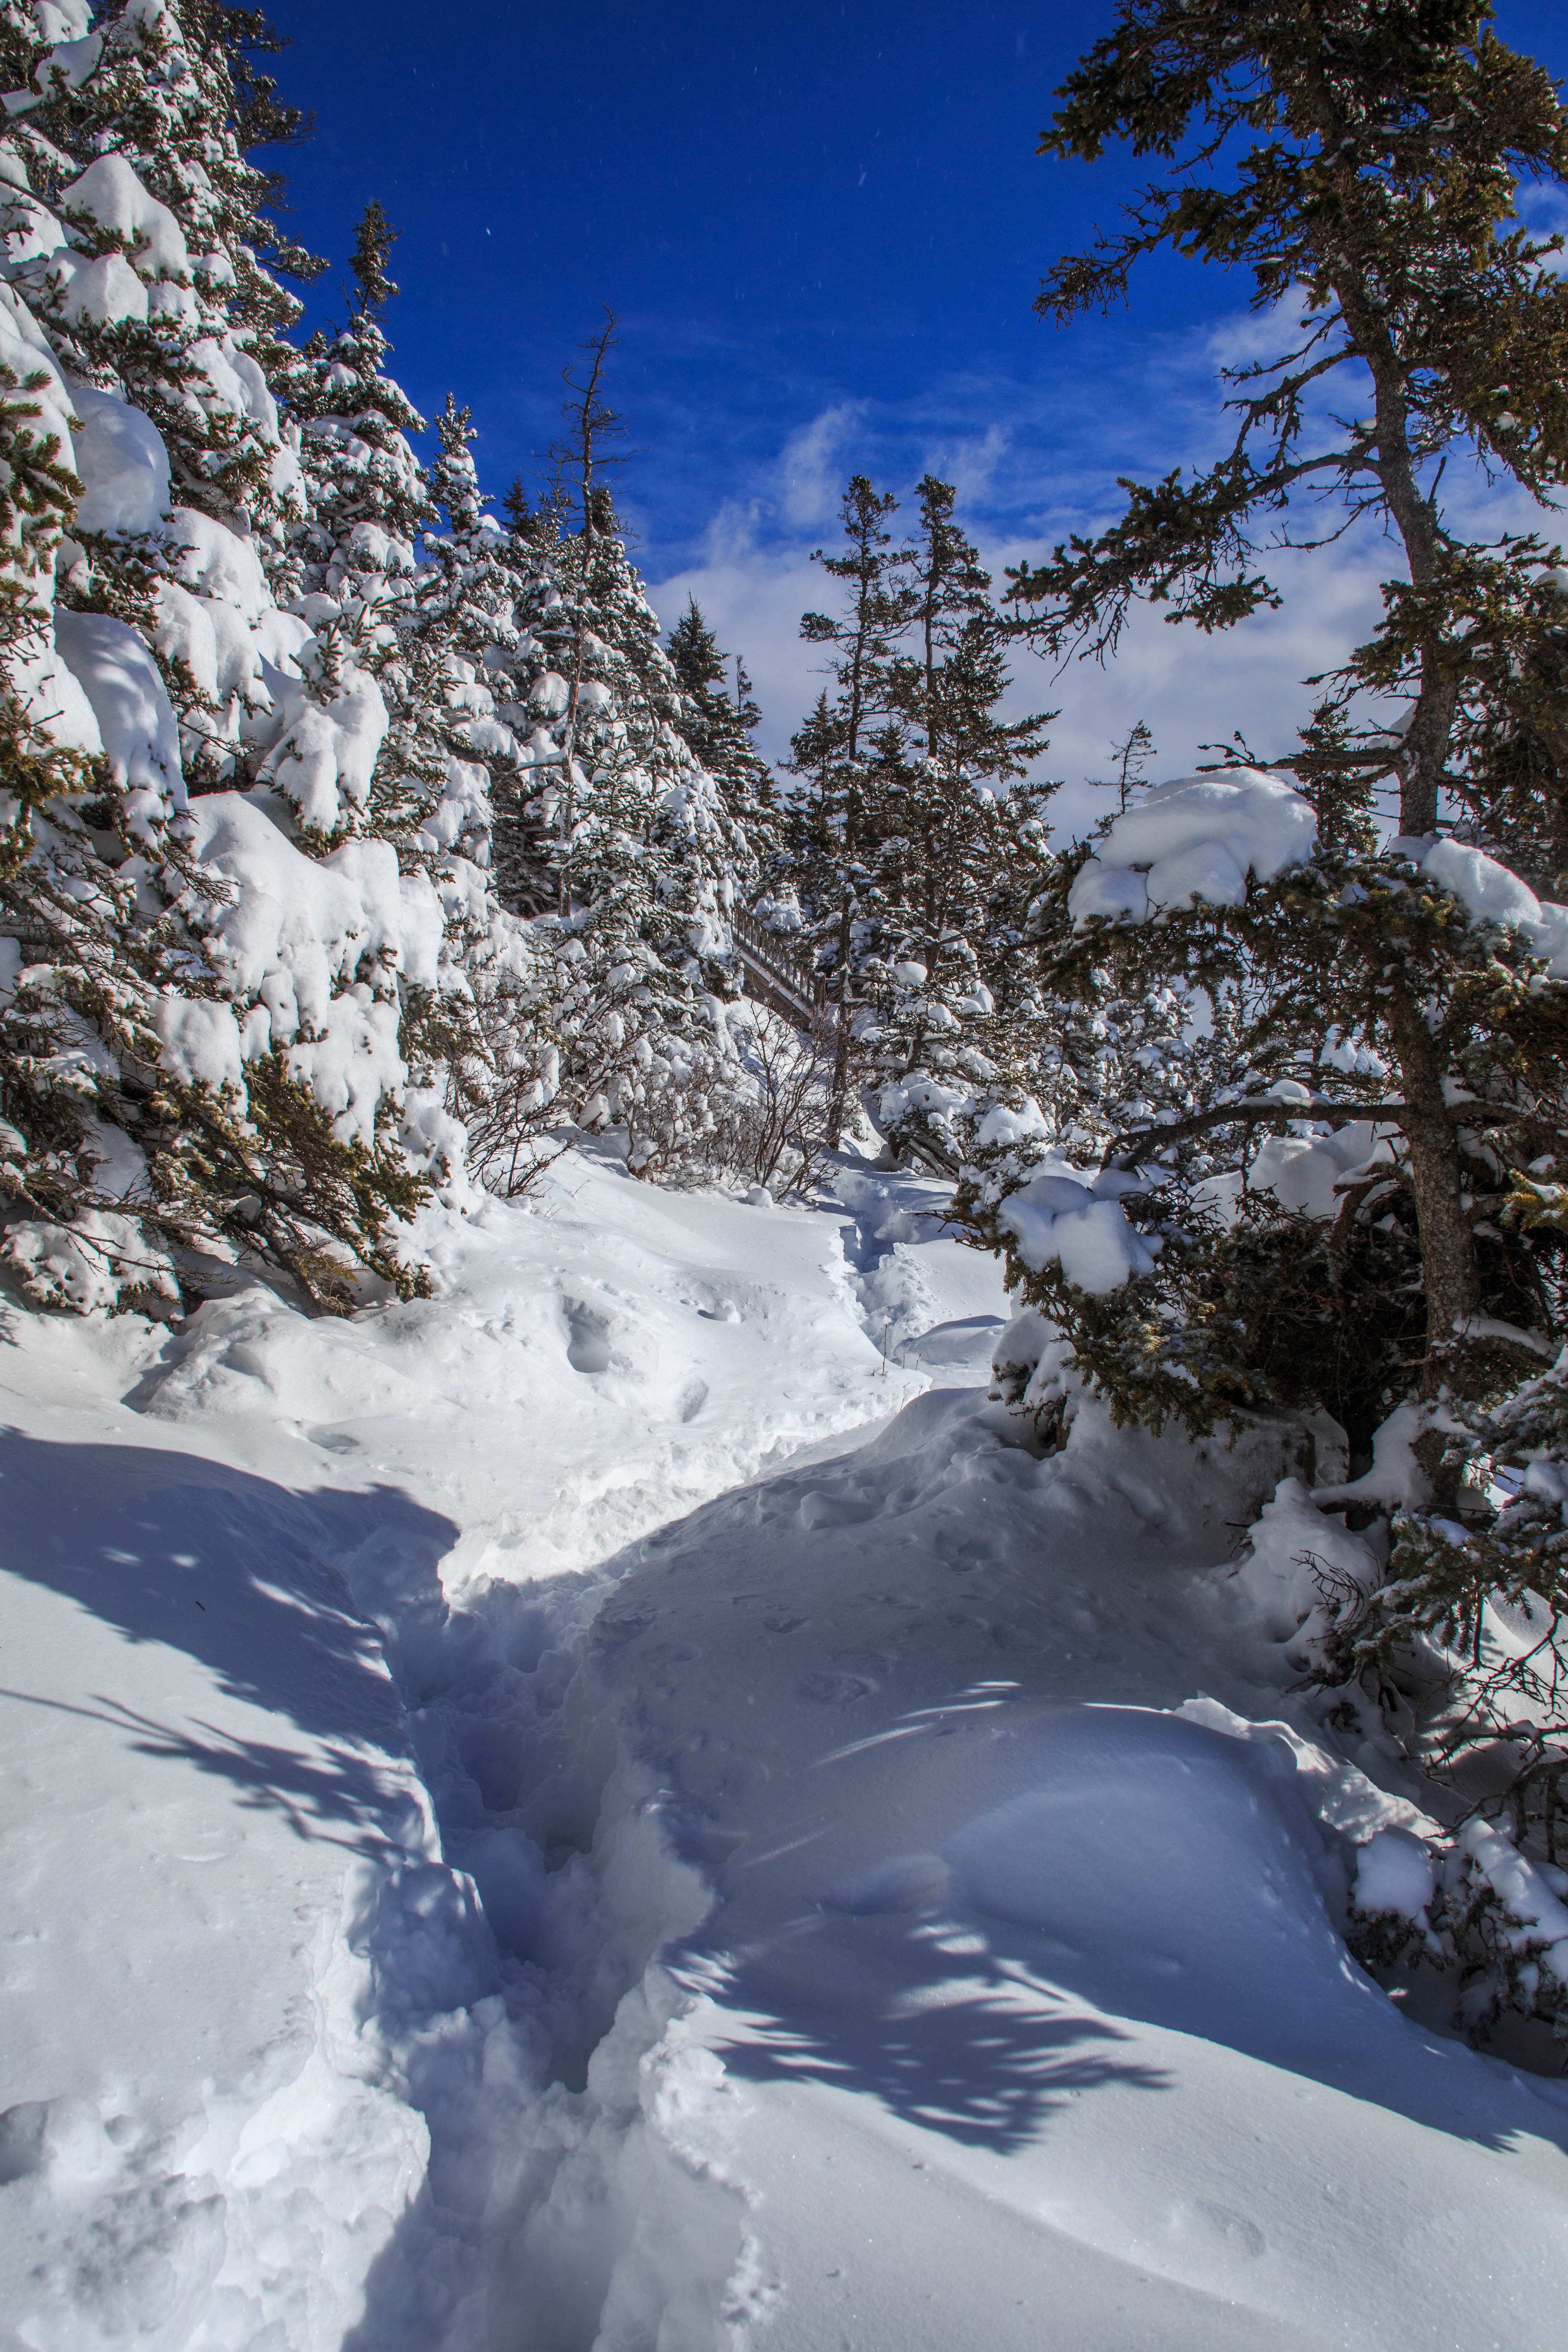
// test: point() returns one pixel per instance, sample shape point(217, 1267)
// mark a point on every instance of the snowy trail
point(870, 1937)
point(279, 1593)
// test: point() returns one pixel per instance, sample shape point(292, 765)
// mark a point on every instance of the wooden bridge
point(775, 974)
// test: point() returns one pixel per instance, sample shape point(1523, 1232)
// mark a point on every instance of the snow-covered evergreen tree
point(719, 719)
point(200, 998)
point(914, 849)
point(610, 826)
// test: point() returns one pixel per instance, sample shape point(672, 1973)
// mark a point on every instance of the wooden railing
point(776, 975)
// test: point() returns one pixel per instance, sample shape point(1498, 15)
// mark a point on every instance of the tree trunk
point(1414, 512)
point(1448, 1245)
point(840, 1088)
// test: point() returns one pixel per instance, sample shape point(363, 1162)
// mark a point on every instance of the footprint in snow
point(835, 1690)
point(588, 1337)
point(857, 1675)
point(822, 1508)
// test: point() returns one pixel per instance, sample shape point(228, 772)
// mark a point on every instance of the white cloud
point(1192, 689)
point(811, 465)
point(1032, 463)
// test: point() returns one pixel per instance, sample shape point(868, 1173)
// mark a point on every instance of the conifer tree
point(139, 150)
point(368, 495)
point(719, 725)
point(962, 837)
point(832, 827)
point(1379, 188)
point(611, 830)
point(200, 1043)
point(1362, 166)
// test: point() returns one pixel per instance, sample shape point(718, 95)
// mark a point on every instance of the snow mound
point(1195, 838)
point(1064, 1216)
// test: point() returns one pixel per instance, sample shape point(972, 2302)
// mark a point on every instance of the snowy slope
point(582, 1811)
point(225, 1553)
point(1022, 1970)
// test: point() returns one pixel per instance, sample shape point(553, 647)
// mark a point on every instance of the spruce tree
point(1362, 166)
point(832, 833)
point(719, 723)
point(200, 1044)
point(611, 833)
point(963, 840)
point(1378, 188)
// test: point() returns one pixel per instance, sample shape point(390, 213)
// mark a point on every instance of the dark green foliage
point(1273, 1312)
point(719, 724)
point(1226, 1322)
point(282, 1184)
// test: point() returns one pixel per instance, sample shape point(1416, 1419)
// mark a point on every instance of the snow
point(1065, 1217)
point(110, 195)
point(122, 463)
point(1195, 837)
point(53, 700)
point(1303, 1171)
point(1394, 1874)
point(1540, 1918)
point(289, 936)
point(585, 1811)
point(1493, 894)
point(1198, 838)
point(130, 703)
point(323, 761)
point(214, 561)
point(24, 348)
point(1206, 871)
point(201, 1042)
point(91, 1264)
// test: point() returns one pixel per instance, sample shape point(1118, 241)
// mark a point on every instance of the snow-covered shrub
point(1476, 1909)
point(1250, 1259)
point(1176, 1312)
point(774, 1128)
point(1457, 1646)
point(503, 1076)
point(99, 1260)
point(1033, 1373)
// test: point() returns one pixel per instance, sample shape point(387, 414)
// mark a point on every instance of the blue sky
point(822, 226)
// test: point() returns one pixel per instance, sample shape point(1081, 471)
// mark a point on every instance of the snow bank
point(912, 1939)
point(1011, 1932)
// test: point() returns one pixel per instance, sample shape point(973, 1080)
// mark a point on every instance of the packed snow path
point(586, 1814)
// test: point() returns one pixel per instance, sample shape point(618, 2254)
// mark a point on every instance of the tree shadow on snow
point(273, 1591)
point(942, 2032)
